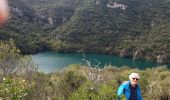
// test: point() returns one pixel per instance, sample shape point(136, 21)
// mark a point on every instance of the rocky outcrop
point(50, 20)
point(116, 5)
point(97, 1)
point(139, 53)
point(161, 58)
point(123, 53)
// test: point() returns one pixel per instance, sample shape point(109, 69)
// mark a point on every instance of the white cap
point(134, 75)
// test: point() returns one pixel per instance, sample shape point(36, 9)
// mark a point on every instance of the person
point(4, 11)
point(131, 88)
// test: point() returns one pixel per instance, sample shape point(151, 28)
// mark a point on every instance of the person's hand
point(4, 11)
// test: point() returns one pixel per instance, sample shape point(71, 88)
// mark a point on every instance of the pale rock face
point(50, 20)
point(123, 53)
point(116, 5)
point(139, 53)
point(161, 58)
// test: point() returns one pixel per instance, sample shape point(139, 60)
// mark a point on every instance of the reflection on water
point(51, 61)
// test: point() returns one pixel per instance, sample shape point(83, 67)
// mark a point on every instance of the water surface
point(51, 61)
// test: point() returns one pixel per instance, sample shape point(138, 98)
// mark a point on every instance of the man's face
point(3, 11)
point(134, 80)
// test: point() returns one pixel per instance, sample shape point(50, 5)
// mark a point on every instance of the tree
point(9, 55)
point(12, 62)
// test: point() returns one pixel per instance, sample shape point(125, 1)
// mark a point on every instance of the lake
point(51, 61)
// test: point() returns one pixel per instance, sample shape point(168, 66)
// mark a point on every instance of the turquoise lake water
point(51, 61)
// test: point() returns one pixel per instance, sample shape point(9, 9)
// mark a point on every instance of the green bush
point(92, 91)
point(13, 89)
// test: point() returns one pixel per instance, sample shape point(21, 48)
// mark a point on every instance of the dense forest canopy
point(129, 28)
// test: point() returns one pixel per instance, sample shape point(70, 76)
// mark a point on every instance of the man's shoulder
point(125, 82)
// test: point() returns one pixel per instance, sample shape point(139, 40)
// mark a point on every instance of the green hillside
point(141, 26)
point(129, 28)
point(22, 28)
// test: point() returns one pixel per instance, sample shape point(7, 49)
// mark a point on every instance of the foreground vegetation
point(20, 80)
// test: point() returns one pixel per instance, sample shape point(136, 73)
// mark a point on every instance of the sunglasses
point(135, 78)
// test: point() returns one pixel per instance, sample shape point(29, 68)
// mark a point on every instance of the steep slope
point(31, 21)
point(129, 28)
point(124, 27)
point(22, 28)
point(53, 13)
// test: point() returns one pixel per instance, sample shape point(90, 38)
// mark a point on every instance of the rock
point(123, 53)
point(161, 58)
point(50, 20)
point(139, 53)
point(116, 5)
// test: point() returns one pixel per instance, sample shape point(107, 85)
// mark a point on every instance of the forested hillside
point(128, 28)
point(22, 28)
point(137, 28)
